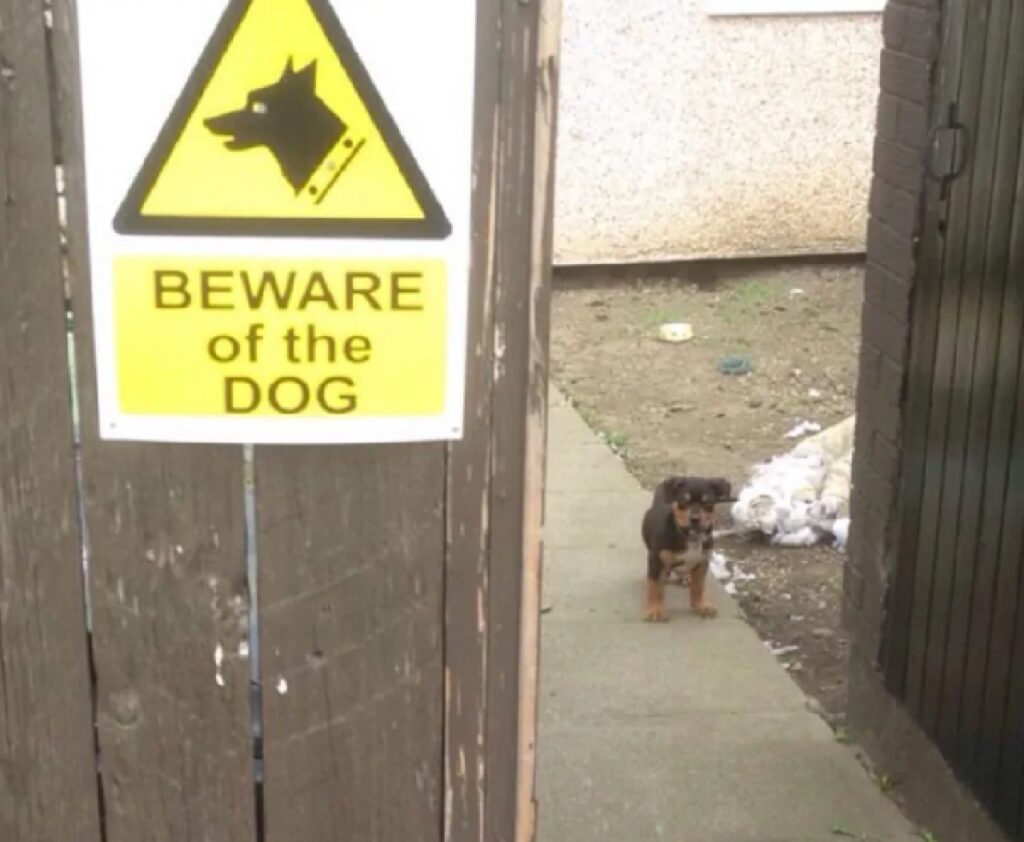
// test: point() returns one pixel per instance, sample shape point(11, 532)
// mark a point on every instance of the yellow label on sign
point(280, 338)
point(281, 131)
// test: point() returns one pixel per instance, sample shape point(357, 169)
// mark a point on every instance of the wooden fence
point(396, 587)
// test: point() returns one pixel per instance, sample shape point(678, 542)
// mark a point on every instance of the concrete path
point(689, 731)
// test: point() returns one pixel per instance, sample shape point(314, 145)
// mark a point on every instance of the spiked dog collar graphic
point(326, 176)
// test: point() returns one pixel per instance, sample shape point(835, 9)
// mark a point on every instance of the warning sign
point(280, 131)
point(279, 215)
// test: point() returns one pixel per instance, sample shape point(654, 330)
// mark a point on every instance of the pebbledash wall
point(906, 110)
point(693, 129)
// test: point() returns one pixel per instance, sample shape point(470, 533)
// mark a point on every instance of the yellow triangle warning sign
point(281, 132)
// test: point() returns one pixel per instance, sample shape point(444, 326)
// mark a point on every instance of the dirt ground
point(666, 408)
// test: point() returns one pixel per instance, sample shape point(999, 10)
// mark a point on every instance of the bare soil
point(667, 408)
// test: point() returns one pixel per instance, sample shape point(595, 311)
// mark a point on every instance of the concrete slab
point(658, 676)
point(689, 731)
point(707, 778)
point(586, 469)
point(601, 516)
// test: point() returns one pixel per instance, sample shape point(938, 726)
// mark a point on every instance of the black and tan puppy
point(678, 530)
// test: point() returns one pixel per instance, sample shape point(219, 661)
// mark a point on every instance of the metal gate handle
point(953, 168)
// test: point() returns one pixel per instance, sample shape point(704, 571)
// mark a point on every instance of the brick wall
point(911, 38)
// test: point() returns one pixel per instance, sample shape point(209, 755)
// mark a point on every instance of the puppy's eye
point(258, 107)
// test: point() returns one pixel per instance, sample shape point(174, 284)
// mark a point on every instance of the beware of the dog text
point(280, 338)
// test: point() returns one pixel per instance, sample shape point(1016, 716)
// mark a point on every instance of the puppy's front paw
point(705, 611)
point(656, 614)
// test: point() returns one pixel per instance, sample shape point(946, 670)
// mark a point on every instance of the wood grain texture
point(351, 546)
point(48, 789)
point(168, 586)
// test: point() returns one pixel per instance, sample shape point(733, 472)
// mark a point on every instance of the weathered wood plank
point(514, 210)
point(168, 586)
point(469, 478)
point(537, 363)
point(48, 790)
point(351, 548)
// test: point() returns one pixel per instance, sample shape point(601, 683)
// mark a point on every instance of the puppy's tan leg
point(698, 602)
point(656, 612)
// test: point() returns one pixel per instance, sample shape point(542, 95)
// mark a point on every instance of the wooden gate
point(954, 649)
point(397, 587)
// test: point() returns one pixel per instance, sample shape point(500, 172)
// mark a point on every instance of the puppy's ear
point(722, 490)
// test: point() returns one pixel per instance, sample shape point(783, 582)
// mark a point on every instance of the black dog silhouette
point(289, 119)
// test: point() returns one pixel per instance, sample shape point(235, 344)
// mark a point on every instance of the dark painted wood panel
point(1000, 735)
point(903, 643)
point(168, 586)
point(48, 789)
point(955, 635)
point(1008, 639)
point(971, 399)
point(934, 579)
point(994, 404)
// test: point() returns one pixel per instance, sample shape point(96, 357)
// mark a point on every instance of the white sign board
point(279, 217)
